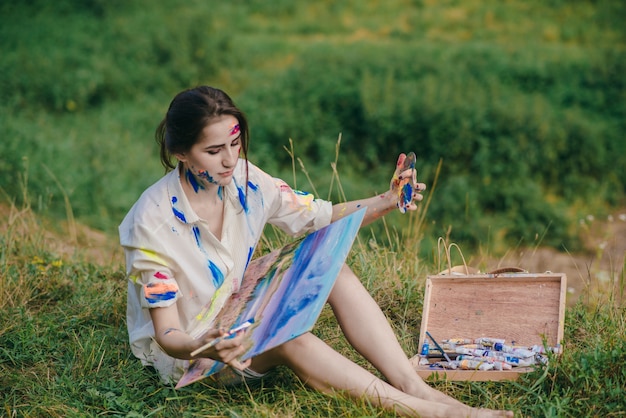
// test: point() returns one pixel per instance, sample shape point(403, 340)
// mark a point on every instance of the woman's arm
point(178, 344)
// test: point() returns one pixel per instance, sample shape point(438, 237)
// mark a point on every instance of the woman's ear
point(181, 157)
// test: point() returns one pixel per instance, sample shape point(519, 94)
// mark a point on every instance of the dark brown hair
point(189, 113)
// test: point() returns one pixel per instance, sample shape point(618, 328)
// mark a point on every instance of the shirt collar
point(181, 208)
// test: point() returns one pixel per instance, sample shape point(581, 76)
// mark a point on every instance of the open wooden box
point(524, 308)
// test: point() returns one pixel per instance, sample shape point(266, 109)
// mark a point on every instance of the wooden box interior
point(523, 308)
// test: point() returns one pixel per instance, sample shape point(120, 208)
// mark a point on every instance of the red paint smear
point(160, 275)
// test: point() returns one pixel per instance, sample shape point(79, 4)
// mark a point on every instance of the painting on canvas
point(283, 292)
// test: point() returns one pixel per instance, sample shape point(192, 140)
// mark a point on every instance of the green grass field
point(64, 350)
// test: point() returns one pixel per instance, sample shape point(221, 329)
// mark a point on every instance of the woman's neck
point(199, 189)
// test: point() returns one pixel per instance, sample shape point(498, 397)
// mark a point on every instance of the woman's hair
point(189, 113)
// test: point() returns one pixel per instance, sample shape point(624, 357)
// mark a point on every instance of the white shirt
point(172, 257)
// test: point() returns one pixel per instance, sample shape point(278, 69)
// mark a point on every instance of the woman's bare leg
point(324, 369)
point(368, 331)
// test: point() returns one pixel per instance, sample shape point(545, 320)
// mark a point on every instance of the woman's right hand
point(225, 348)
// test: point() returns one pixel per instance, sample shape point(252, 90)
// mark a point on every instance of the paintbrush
point(230, 332)
point(439, 347)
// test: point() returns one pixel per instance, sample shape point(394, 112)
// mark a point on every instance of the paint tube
point(478, 352)
point(452, 365)
point(523, 362)
point(498, 355)
point(474, 365)
point(424, 353)
point(497, 364)
point(489, 341)
point(516, 351)
point(458, 341)
point(540, 349)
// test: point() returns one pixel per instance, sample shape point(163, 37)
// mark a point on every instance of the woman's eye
point(212, 152)
point(235, 142)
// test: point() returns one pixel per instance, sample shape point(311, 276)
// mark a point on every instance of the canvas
point(283, 292)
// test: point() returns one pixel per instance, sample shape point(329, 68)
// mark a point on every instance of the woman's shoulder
point(154, 199)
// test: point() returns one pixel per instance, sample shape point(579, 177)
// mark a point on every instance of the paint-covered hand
point(220, 345)
point(404, 185)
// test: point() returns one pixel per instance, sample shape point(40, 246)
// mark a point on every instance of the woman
point(190, 236)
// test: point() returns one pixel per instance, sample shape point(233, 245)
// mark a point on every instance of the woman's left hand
point(404, 185)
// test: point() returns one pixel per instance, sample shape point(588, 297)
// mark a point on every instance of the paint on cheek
point(159, 292)
point(160, 275)
point(177, 212)
point(206, 176)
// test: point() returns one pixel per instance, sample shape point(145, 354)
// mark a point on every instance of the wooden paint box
point(524, 308)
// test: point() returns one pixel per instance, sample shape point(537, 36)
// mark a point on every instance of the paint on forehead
point(193, 181)
point(235, 129)
point(180, 215)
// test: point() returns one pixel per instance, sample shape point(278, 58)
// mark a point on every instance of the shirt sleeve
point(148, 268)
point(293, 211)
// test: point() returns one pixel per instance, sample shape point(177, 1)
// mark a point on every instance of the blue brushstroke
point(193, 181)
point(161, 297)
point(250, 253)
point(218, 276)
point(253, 186)
point(242, 199)
point(177, 213)
point(196, 235)
point(220, 192)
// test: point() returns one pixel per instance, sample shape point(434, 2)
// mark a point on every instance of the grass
point(64, 349)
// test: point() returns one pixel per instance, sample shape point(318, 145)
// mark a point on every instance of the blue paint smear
point(177, 213)
point(220, 192)
point(161, 297)
point(193, 181)
point(218, 276)
point(250, 253)
point(253, 186)
point(196, 235)
point(242, 199)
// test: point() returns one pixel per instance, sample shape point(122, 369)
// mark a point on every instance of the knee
point(286, 354)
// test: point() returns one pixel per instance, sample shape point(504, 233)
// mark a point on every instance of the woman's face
point(210, 161)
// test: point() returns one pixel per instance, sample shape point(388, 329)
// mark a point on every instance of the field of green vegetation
point(516, 111)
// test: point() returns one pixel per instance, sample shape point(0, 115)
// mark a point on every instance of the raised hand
point(404, 182)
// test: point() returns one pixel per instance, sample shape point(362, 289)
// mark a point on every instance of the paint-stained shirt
point(173, 258)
